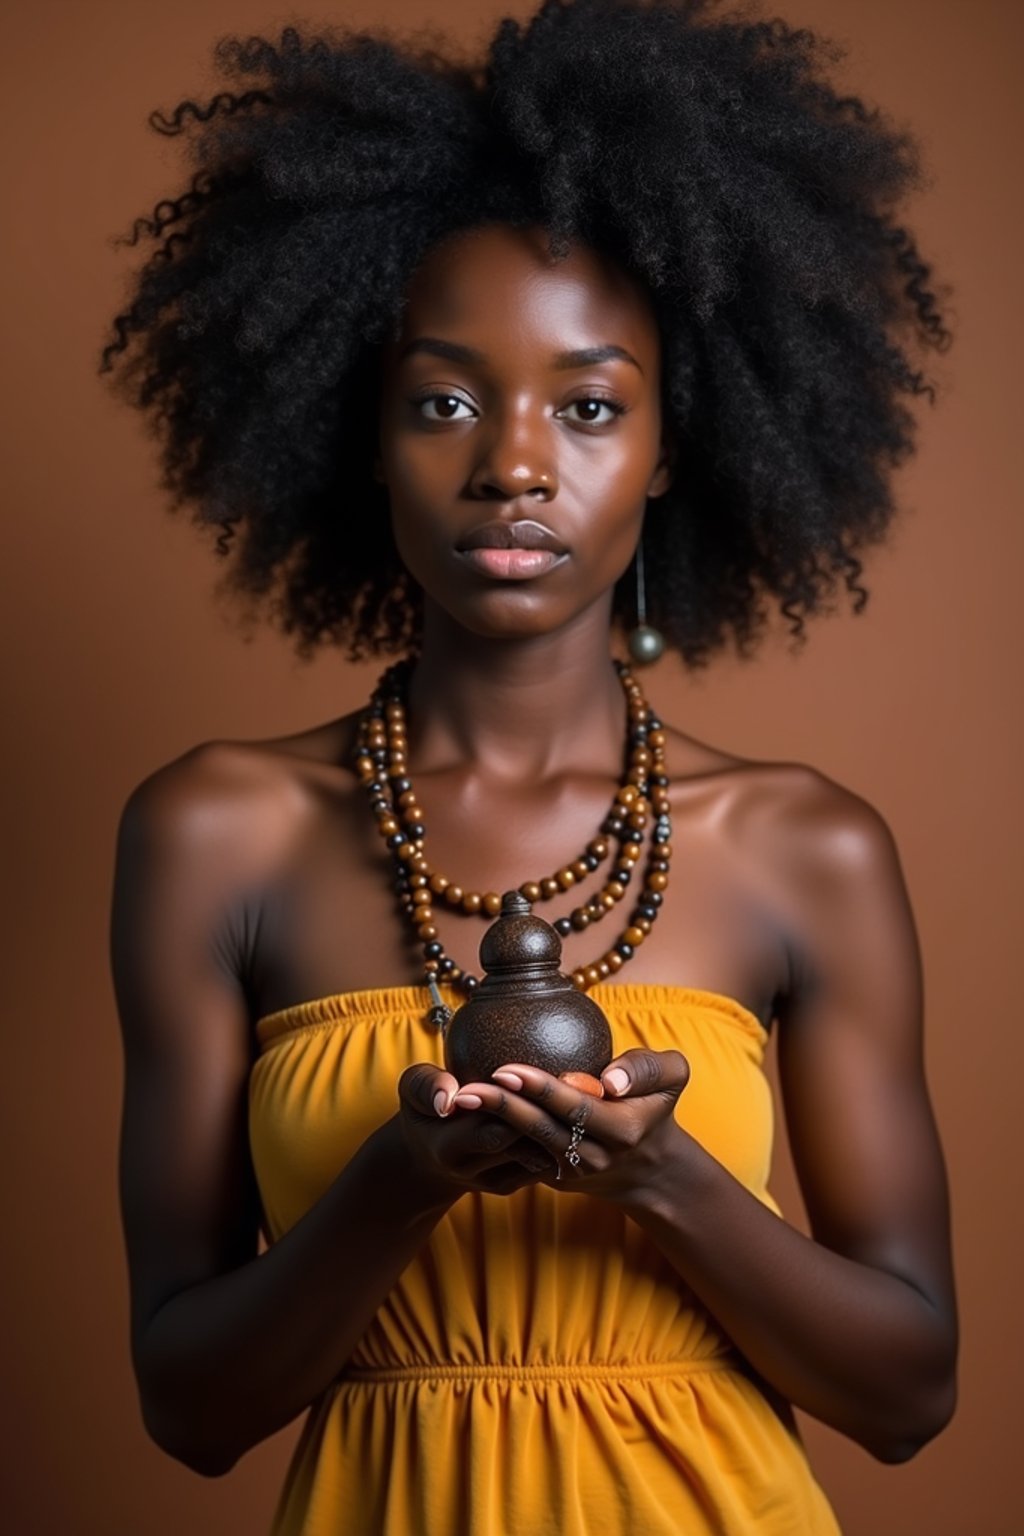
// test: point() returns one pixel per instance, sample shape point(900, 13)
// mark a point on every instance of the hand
point(462, 1151)
point(623, 1139)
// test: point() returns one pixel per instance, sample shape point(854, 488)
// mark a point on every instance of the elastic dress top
point(539, 1368)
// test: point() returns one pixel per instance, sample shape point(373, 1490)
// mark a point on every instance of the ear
point(664, 470)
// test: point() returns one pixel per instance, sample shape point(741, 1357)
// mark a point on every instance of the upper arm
point(188, 1201)
point(851, 1061)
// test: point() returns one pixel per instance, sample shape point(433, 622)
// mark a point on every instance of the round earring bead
point(645, 644)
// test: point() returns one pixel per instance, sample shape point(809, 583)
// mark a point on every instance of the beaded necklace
point(640, 809)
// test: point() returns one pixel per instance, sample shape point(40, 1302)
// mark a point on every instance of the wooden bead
point(492, 903)
point(579, 979)
point(421, 898)
point(614, 961)
point(637, 820)
point(565, 878)
point(549, 887)
point(643, 923)
point(631, 852)
point(389, 826)
point(438, 884)
point(657, 881)
point(634, 936)
point(531, 890)
point(427, 931)
point(453, 895)
point(615, 890)
point(580, 919)
point(472, 902)
point(598, 847)
point(580, 868)
point(592, 975)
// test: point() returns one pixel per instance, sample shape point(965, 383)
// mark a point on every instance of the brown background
point(117, 659)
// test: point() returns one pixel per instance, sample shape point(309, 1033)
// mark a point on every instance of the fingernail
point(441, 1104)
point(615, 1081)
point(469, 1100)
point(508, 1079)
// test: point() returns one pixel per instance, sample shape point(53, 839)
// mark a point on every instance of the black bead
point(470, 983)
point(563, 926)
point(416, 830)
point(434, 950)
point(646, 910)
point(376, 787)
point(401, 786)
point(625, 950)
point(623, 876)
point(659, 780)
point(592, 861)
point(396, 840)
point(447, 965)
point(380, 807)
point(654, 897)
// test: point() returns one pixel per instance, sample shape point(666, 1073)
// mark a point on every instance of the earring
point(645, 643)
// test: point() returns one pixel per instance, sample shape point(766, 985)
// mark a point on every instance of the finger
point(637, 1073)
point(427, 1089)
point(540, 1107)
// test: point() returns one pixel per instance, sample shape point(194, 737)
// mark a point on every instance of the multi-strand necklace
point(639, 811)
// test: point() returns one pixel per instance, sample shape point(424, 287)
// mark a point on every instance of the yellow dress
point(539, 1369)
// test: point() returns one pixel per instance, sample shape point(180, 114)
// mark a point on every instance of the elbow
point(930, 1420)
point(180, 1441)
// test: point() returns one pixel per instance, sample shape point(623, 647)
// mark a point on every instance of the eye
point(446, 401)
point(592, 419)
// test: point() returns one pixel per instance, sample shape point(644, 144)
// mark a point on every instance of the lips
point(525, 533)
point(513, 551)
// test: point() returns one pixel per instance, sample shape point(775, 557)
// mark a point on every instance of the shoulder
point(235, 802)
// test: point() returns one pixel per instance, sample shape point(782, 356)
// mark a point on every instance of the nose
point(514, 459)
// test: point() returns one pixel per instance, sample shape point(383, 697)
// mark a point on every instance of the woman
point(449, 347)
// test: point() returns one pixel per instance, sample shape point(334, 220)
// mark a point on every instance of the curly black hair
point(709, 154)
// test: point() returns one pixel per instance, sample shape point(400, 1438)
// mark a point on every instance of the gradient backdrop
point(117, 659)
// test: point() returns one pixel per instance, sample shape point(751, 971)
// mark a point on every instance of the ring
point(572, 1155)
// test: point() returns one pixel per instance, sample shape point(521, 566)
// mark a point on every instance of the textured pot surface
point(525, 1010)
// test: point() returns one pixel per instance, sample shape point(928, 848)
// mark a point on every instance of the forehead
point(499, 281)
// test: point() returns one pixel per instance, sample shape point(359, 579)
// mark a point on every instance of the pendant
point(439, 1013)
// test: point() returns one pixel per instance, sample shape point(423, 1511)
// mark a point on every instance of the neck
point(523, 708)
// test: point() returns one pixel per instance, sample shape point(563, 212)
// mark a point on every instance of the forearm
point(229, 1361)
point(856, 1347)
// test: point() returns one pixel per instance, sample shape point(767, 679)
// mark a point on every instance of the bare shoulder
point(218, 793)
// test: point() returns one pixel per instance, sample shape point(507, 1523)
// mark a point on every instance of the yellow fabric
point(539, 1369)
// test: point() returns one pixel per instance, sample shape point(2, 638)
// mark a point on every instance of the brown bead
point(492, 903)
point(453, 895)
point(580, 868)
point(549, 886)
point(592, 975)
point(421, 898)
point(407, 800)
point(637, 820)
point(438, 884)
point(472, 902)
point(579, 979)
point(565, 878)
point(417, 882)
point(636, 776)
point(656, 738)
point(407, 852)
point(606, 899)
point(614, 890)
point(580, 919)
point(664, 850)
point(531, 890)
point(657, 881)
point(631, 852)
point(604, 968)
point(634, 936)
point(427, 931)
point(627, 794)
point(389, 826)
point(643, 923)
point(614, 960)
point(598, 848)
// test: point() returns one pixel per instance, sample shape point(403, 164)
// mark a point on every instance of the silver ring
point(572, 1155)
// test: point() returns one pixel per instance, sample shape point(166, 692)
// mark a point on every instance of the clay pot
point(525, 1009)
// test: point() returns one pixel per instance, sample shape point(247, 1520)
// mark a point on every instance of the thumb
point(426, 1089)
point(637, 1073)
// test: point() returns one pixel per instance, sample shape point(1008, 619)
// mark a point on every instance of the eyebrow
point(582, 357)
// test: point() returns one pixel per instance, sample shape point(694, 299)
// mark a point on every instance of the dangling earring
point(645, 643)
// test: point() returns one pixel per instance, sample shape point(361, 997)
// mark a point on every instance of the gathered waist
point(556, 1372)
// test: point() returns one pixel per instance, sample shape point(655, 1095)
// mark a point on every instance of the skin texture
point(249, 877)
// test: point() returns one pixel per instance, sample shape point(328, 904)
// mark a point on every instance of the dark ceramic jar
point(525, 1009)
